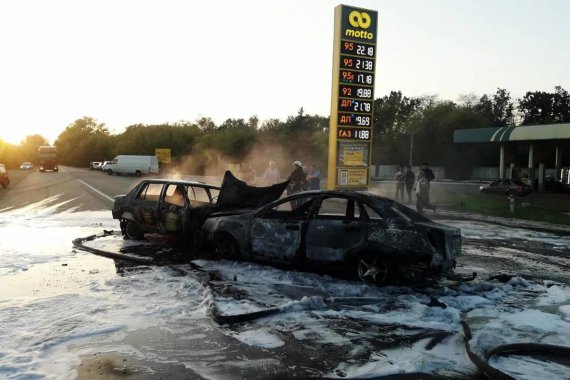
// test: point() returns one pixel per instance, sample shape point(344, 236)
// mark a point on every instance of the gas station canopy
point(506, 134)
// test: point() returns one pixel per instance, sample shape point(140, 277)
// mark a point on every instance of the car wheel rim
point(372, 270)
point(132, 231)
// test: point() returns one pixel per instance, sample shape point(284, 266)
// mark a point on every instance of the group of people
point(405, 179)
point(304, 178)
point(301, 178)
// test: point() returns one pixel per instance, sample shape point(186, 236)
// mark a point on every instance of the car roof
point(373, 199)
point(179, 182)
point(346, 193)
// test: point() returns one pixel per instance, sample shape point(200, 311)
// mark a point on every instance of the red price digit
point(347, 75)
point(347, 62)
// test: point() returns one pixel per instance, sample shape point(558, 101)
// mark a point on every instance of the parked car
point(95, 165)
point(4, 178)
point(104, 165)
point(360, 235)
point(26, 166)
point(506, 187)
point(164, 206)
point(553, 185)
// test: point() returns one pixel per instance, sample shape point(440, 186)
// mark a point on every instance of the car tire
point(110, 172)
point(373, 269)
point(133, 230)
point(225, 246)
point(138, 173)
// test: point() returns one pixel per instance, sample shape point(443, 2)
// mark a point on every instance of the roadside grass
point(550, 208)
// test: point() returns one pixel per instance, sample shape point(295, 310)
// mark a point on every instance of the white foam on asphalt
point(44, 335)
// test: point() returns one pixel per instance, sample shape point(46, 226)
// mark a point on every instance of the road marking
point(97, 191)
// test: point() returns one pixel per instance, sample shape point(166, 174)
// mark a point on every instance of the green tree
point(434, 140)
point(74, 144)
point(9, 155)
point(206, 124)
point(540, 107)
point(395, 119)
point(29, 148)
point(561, 106)
point(497, 109)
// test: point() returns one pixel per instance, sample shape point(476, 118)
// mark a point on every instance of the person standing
point(247, 173)
point(297, 181)
point(314, 178)
point(399, 183)
point(429, 176)
point(422, 194)
point(428, 173)
point(409, 179)
point(271, 175)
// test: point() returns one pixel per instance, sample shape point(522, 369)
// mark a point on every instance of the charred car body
point(164, 206)
point(356, 234)
point(361, 235)
point(179, 208)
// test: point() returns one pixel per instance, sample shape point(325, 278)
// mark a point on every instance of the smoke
point(212, 162)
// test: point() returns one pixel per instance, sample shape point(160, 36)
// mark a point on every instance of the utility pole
point(411, 147)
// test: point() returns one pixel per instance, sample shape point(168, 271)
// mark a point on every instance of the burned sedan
point(171, 207)
point(356, 234)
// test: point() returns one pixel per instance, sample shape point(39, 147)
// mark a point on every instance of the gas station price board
point(352, 99)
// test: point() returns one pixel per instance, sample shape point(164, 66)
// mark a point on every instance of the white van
point(137, 165)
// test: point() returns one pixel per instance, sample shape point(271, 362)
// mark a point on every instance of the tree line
point(404, 128)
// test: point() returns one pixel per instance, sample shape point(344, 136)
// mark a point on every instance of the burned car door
point(277, 232)
point(145, 206)
point(337, 227)
point(172, 208)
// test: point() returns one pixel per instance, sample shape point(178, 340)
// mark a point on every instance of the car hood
point(235, 193)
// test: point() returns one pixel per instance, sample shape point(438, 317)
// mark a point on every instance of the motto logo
point(359, 19)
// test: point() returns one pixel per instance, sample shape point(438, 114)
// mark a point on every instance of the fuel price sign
point(352, 99)
point(353, 133)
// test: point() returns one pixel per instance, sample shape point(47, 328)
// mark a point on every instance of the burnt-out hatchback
point(361, 235)
point(173, 207)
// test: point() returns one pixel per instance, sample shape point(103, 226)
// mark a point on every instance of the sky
point(138, 61)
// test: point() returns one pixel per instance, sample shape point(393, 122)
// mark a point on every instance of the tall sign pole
point(352, 99)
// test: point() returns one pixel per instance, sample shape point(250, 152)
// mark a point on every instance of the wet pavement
point(68, 313)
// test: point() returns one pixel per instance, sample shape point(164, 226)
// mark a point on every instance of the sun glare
point(14, 137)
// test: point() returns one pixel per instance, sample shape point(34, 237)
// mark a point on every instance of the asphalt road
point(78, 188)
